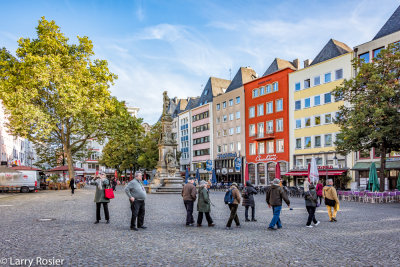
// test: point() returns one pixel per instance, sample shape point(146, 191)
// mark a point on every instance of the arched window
point(261, 173)
point(252, 173)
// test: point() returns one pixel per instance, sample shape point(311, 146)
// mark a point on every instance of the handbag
point(330, 202)
point(108, 193)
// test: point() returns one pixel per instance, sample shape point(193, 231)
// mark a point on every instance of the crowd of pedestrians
point(276, 194)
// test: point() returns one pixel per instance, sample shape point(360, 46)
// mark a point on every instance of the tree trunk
point(382, 171)
point(69, 162)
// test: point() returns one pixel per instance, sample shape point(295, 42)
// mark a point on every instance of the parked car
point(25, 181)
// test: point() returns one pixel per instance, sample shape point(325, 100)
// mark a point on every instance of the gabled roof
point(278, 64)
point(332, 49)
point(179, 107)
point(214, 87)
point(193, 102)
point(242, 76)
point(391, 26)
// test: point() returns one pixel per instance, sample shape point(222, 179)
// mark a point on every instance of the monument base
point(167, 185)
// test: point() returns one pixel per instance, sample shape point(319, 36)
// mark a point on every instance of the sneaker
point(211, 225)
point(190, 224)
point(334, 219)
point(271, 229)
point(280, 227)
point(108, 221)
point(309, 226)
point(253, 220)
point(318, 222)
point(247, 220)
point(143, 227)
point(228, 228)
point(134, 229)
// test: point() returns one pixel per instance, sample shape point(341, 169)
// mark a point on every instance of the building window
point(307, 103)
point(219, 134)
point(218, 119)
point(262, 91)
point(307, 142)
point(238, 100)
point(307, 122)
point(279, 105)
point(270, 107)
point(376, 52)
point(328, 140)
point(231, 117)
point(270, 126)
point(317, 80)
point(252, 130)
point(317, 141)
point(201, 152)
point(297, 105)
point(232, 147)
point(297, 87)
point(328, 118)
point(298, 124)
point(231, 131)
point(364, 57)
point(260, 130)
point(230, 102)
point(280, 146)
point(219, 149)
point(252, 149)
point(218, 106)
point(317, 120)
point(298, 143)
point(327, 77)
point(270, 147)
point(224, 104)
point(307, 83)
point(225, 118)
point(237, 114)
point(268, 89)
point(275, 86)
point(239, 147)
point(225, 132)
point(260, 110)
point(225, 148)
point(339, 74)
point(255, 93)
point(317, 100)
point(327, 98)
point(238, 129)
point(252, 112)
point(261, 148)
point(279, 125)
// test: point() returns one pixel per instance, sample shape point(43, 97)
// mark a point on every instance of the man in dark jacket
point(248, 201)
point(311, 204)
point(274, 197)
point(233, 207)
point(189, 197)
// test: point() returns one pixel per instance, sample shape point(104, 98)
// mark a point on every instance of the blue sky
point(177, 45)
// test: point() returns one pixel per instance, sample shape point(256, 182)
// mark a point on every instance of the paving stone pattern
point(365, 234)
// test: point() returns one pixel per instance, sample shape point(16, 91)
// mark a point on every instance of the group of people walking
point(275, 195)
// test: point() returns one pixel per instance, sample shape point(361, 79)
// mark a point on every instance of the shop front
point(325, 173)
point(392, 169)
point(228, 168)
point(262, 171)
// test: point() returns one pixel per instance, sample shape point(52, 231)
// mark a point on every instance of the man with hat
point(274, 198)
point(234, 206)
point(189, 197)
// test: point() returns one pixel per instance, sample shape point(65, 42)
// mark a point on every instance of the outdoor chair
point(361, 196)
point(356, 195)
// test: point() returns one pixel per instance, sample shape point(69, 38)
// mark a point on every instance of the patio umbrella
point(246, 174)
point(278, 171)
point(373, 178)
point(214, 177)
point(198, 176)
point(313, 171)
point(308, 172)
point(186, 176)
point(398, 182)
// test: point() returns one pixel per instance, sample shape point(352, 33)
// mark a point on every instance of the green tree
point(53, 90)
point(371, 117)
point(149, 146)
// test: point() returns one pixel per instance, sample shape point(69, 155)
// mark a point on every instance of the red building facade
point(267, 125)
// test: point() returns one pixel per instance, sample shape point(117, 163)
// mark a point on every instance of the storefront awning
point(320, 172)
point(364, 166)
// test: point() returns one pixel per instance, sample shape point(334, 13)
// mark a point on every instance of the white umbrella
point(314, 176)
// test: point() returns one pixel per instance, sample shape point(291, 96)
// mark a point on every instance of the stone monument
point(167, 178)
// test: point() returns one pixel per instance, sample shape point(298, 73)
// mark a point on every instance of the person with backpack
point(311, 204)
point(189, 197)
point(248, 201)
point(331, 200)
point(204, 205)
point(232, 198)
point(274, 197)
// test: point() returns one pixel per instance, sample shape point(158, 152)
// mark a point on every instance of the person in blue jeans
point(274, 196)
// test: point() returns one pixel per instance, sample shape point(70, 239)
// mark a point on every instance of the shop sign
point(208, 165)
point(269, 157)
point(238, 164)
point(324, 167)
point(227, 155)
point(230, 170)
point(224, 171)
point(218, 171)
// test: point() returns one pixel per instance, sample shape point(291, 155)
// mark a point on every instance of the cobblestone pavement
point(365, 234)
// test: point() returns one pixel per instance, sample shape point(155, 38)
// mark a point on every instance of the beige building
point(228, 111)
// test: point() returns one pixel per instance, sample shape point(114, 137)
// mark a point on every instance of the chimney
point(296, 63)
point(307, 63)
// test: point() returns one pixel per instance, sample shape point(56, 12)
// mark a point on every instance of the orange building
point(267, 122)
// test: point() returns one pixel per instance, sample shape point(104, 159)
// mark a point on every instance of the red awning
point(320, 172)
point(25, 168)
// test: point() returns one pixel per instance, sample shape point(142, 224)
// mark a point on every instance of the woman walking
point(101, 184)
point(204, 205)
point(319, 188)
point(72, 185)
point(248, 201)
point(311, 205)
point(331, 200)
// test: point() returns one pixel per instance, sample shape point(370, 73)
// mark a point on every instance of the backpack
point(245, 193)
point(228, 199)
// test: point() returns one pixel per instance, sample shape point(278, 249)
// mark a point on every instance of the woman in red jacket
point(319, 188)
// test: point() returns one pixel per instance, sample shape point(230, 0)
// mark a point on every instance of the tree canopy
point(54, 92)
point(370, 118)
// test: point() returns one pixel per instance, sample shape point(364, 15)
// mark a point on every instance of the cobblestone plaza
point(365, 234)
